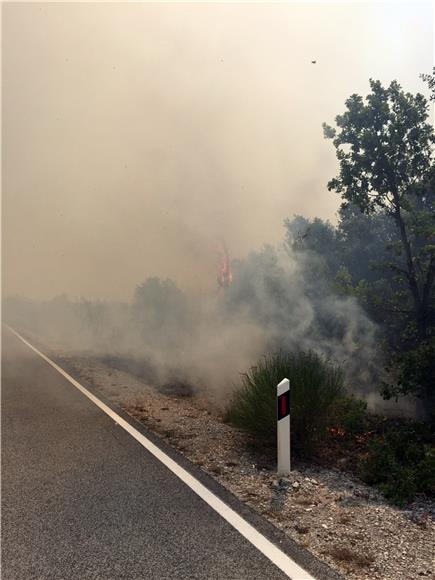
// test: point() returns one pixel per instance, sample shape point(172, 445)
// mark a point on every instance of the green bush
point(315, 384)
point(401, 462)
point(350, 415)
point(414, 373)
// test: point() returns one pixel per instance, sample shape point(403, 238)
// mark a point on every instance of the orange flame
point(225, 276)
point(337, 431)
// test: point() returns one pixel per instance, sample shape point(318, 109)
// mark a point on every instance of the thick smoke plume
point(205, 340)
point(136, 134)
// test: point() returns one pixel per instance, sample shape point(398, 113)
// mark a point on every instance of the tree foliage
point(430, 80)
point(385, 147)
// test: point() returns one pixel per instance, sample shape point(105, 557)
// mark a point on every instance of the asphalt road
point(82, 499)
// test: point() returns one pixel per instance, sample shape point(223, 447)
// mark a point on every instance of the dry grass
point(345, 554)
point(302, 529)
point(303, 500)
point(344, 518)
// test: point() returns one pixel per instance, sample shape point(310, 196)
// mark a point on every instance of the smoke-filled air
point(165, 184)
point(218, 290)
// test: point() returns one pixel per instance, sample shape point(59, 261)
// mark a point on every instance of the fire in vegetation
point(363, 438)
point(336, 431)
point(225, 276)
point(360, 438)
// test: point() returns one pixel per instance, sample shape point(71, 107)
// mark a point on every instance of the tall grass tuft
point(315, 385)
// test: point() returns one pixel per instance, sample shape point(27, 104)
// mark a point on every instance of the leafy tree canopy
point(385, 148)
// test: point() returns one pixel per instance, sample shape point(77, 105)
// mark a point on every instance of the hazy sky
point(135, 135)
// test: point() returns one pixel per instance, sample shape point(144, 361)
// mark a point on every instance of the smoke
point(207, 339)
point(136, 134)
point(285, 294)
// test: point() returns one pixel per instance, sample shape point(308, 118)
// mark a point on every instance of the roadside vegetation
point(381, 253)
point(330, 427)
point(347, 307)
point(316, 386)
point(400, 461)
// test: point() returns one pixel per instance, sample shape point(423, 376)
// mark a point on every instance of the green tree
point(356, 244)
point(385, 148)
point(319, 238)
point(430, 80)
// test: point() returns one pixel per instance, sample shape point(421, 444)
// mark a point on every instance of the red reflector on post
point(283, 405)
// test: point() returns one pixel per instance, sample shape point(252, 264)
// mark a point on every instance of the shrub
point(414, 372)
point(315, 384)
point(401, 462)
point(350, 415)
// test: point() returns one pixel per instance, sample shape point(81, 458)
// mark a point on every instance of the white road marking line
point(265, 546)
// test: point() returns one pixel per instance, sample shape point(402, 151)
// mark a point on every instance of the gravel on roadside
point(338, 518)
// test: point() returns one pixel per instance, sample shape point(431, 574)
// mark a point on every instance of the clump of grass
point(302, 529)
point(344, 518)
point(345, 554)
point(315, 385)
point(303, 500)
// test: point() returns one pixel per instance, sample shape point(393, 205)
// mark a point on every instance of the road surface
point(81, 498)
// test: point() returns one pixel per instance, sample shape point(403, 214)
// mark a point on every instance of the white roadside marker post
point(283, 426)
